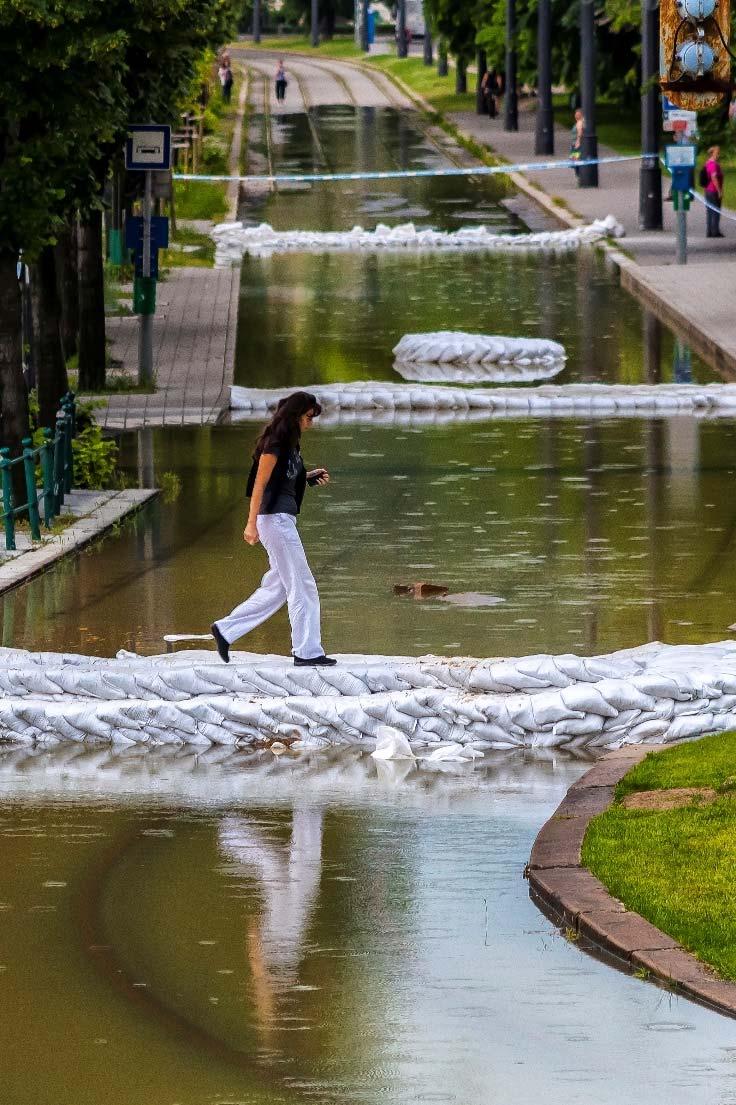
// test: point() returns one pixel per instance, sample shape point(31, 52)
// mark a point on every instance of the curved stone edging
point(572, 897)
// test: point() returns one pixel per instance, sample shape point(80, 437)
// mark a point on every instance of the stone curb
point(85, 529)
point(571, 897)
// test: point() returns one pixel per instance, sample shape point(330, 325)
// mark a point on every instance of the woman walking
point(281, 81)
point(713, 193)
point(276, 487)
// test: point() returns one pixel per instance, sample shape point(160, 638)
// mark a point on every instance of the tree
point(455, 21)
point(60, 74)
point(298, 11)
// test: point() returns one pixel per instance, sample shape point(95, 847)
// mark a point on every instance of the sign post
point(680, 161)
point(147, 150)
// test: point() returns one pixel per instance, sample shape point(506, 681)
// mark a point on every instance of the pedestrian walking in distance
point(712, 178)
point(281, 81)
point(276, 487)
point(227, 80)
point(576, 141)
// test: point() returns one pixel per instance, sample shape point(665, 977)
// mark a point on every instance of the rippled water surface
point(177, 930)
point(595, 536)
point(298, 932)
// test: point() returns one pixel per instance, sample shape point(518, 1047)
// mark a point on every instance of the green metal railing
point(56, 459)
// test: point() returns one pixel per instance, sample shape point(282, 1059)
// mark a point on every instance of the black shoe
point(314, 662)
point(222, 646)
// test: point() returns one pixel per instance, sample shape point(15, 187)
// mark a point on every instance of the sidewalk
point(693, 299)
point(95, 512)
point(194, 352)
point(193, 334)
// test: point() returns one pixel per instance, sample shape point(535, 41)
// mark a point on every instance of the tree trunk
point(13, 393)
point(442, 68)
point(67, 282)
point(51, 378)
point(461, 75)
point(91, 304)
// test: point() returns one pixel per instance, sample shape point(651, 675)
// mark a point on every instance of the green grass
point(423, 79)
point(675, 867)
point(196, 199)
point(199, 254)
point(341, 46)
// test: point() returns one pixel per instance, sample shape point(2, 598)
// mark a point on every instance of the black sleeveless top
point(284, 491)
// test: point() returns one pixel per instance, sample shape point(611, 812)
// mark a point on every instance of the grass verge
point(675, 867)
point(341, 46)
point(439, 92)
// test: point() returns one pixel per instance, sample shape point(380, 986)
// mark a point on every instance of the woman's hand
point(318, 476)
point(250, 534)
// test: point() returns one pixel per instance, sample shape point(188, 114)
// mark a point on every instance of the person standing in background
point(713, 193)
point(281, 81)
point(576, 140)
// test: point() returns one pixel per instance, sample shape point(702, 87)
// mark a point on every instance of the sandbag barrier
point(655, 693)
point(456, 357)
point(234, 240)
point(379, 401)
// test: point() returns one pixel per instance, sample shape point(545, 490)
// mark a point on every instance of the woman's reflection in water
point(288, 878)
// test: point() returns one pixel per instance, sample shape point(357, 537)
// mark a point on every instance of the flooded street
point(178, 930)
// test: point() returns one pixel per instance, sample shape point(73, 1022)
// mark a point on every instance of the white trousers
point(288, 580)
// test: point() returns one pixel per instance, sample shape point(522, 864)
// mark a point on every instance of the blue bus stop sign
point(148, 147)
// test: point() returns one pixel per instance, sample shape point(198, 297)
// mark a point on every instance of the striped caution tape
point(408, 174)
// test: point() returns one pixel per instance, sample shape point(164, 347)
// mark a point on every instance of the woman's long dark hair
point(283, 429)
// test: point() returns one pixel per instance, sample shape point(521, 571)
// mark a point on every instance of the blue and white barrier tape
point(406, 174)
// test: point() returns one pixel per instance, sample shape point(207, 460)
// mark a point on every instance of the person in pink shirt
point(713, 193)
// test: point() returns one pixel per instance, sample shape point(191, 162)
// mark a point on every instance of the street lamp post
point(510, 100)
point(401, 47)
point(364, 44)
point(650, 176)
point(544, 139)
point(315, 23)
point(588, 174)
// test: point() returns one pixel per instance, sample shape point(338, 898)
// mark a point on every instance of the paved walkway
point(194, 352)
point(95, 512)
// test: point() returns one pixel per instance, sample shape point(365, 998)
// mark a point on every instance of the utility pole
point(588, 174)
point(364, 43)
point(510, 99)
point(544, 139)
point(256, 20)
point(401, 47)
point(650, 176)
point(145, 330)
point(315, 22)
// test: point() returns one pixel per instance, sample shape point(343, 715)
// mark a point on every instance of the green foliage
point(95, 459)
point(457, 21)
point(299, 12)
point(171, 487)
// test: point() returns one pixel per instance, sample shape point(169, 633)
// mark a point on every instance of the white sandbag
point(391, 745)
